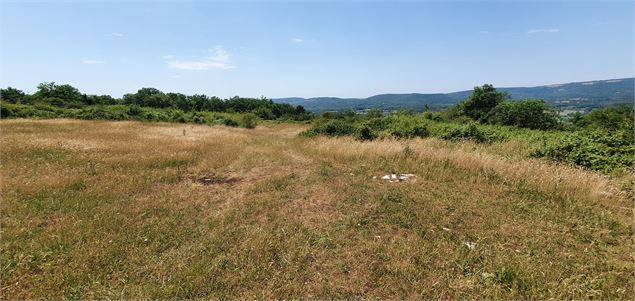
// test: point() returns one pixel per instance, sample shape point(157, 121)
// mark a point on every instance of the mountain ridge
point(574, 96)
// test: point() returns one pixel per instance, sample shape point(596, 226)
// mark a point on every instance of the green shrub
point(407, 127)
point(249, 120)
point(364, 132)
point(434, 116)
point(228, 121)
point(331, 128)
point(198, 117)
point(6, 112)
point(611, 118)
point(470, 131)
point(530, 113)
point(155, 115)
point(134, 110)
point(597, 150)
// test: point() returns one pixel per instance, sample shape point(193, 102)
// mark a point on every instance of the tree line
point(67, 96)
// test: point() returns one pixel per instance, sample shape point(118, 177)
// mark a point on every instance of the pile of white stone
point(392, 178)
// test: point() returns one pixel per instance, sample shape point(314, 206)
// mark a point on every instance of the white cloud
point(167, 57)
point(297, 40)
point(549, 30)
point(92, 62)
point(219, 59)
point(115, 35)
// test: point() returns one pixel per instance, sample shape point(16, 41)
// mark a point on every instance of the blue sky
point(279, 49)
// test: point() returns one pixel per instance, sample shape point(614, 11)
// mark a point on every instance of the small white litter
point(470, 245)
point(446, 229)
point(392, 178)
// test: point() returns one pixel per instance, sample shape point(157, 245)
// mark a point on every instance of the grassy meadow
point(125, 209)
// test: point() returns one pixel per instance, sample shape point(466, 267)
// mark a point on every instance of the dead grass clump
point(214, 179)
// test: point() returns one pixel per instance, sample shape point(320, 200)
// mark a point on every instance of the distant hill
point(573, 96)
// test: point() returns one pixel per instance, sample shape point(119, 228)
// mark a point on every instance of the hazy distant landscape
point(580, 96)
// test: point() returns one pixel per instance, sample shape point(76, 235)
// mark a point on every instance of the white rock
point(392, 178)
point(470, 245)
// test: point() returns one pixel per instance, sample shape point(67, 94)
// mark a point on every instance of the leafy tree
point(530, 113)
point(147, 97)
point(611, 118)
point(12, 95)
point(101, 100)
point(374, 113)
point(482, 100)
point(299, 110)
point(178, 100)
point(66, 93)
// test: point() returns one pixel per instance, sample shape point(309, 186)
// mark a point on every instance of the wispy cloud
point(297, 40)
point(219, 59)
point(547, 30)
point(115, 35)
point(91, 62)
point(167, 57)
point(483, 32)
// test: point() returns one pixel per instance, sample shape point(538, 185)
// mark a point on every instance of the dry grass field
point(111, 210)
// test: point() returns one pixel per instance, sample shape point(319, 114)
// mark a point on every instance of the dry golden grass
point(105, 210)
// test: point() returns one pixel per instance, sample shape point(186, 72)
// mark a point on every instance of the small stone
point(470, 245)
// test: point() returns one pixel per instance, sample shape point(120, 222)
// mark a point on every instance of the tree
point(374, 113)
point(611, 118)
point(530, 113)
point(66, 93)
point(482, 100)
point(147, 97)
point(12, 95)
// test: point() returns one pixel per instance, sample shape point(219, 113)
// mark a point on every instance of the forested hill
point(574, 96)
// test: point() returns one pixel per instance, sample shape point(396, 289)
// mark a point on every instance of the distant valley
point(577, 96)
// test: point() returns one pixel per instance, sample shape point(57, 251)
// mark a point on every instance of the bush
point(228, 121)
point(331, 128)
point(6, 112)
point(530, 113)
point(611, 118)
point(365, 132)
point(597, 150)
point(198, 117)
point(470, 131)
point(134, 110)
point(249, 121)
point(404, 127)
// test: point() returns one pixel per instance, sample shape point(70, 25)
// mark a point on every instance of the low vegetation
point(601, 140)
point(137, 210)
